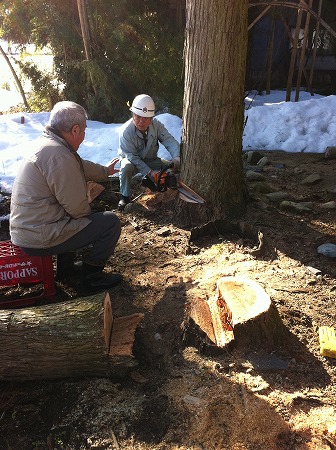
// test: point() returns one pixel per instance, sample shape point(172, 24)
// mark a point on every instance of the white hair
point(65, 115)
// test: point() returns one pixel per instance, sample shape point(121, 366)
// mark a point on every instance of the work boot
point(66, 266)
point(123, 202)
point(95, 278)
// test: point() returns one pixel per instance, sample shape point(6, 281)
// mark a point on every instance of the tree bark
point(213, 116)
point(17, 80)
point(240, 313)
point(85, 30)
point(71, 339)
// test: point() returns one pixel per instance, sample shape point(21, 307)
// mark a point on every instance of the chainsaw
point(166, 179)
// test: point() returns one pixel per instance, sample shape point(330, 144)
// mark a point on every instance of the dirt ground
point(179, 397)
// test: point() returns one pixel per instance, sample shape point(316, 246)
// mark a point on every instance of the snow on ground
point(272, 124)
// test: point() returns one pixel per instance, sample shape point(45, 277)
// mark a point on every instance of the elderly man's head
point(143, 109)
point(69, 119)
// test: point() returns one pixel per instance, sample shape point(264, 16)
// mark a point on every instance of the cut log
point(93, 189)
point(79, 338)
point(240, 313)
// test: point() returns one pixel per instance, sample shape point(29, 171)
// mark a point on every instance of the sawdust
point(178, 397)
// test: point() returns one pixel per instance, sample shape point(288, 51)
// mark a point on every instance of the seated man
point(50, 212)
point(139, 146)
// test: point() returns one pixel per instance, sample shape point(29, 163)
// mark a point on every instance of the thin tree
point(16, 78)
point(85, 30)
point(213, 116)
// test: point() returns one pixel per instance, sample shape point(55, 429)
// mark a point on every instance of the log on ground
point(240, 313)
point(78, 338)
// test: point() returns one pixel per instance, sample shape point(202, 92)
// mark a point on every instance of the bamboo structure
point(315, 47)
point(303, 53)
point(294, 55)
point(298, 54)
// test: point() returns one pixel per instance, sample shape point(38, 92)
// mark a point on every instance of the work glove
point(153, 175)
point(177, 162)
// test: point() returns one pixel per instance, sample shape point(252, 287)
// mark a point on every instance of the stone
point(332, 189)
point(253, 157)
point(251, 175)
point(312, 179)
point(277, 196)
point(296, 207)
point(330, 152)
point(327, 250)
point(262, 162)
point(328, 205)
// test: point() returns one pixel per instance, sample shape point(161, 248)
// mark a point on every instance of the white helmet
point(143, 105)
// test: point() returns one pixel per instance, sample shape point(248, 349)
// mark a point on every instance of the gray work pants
point(128, 170)
point(101, 235)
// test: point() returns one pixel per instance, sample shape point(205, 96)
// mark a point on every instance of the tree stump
point(240, 313)
point(80, 338)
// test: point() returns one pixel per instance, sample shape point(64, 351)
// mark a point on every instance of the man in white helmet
point(139, 146)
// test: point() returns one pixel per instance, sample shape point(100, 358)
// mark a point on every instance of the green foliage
point(45, 93)
point(134, 44)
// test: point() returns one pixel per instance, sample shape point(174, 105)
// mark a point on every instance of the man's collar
point(50, 130)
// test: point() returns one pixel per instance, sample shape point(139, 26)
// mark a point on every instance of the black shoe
point(123, 202)
point(102, 280)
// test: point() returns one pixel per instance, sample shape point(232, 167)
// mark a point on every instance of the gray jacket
point(134, 147)
point(49, 201)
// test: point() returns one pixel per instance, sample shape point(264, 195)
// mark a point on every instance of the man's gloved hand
point(154, 175)
point(177, 162)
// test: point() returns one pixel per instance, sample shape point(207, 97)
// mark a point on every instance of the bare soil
point(180, 396)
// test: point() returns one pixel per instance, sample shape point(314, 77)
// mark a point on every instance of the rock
point(253, 157)
point(327, 250)
point(328, 205)
point(312, 179)
point(261, 187)
point(262, 162)
point(277, 196)
point(134, 208)
point(251, 175)
point(330, 153)
point(332, 189)
point(296, 207)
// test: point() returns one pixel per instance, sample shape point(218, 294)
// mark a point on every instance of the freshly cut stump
point(240, 312)
point(78, 338)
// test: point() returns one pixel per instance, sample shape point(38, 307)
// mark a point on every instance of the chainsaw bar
point(168, 180)
point(188, 195)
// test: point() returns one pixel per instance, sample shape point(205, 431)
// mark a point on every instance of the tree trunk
point(85, 30)
point(213, 116)
point(240, 313)
point(72, 339)
point(16, 78)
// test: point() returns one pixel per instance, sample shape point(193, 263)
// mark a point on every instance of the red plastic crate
point(18, 268)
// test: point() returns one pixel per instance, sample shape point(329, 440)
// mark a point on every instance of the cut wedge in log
point(78, 338)
point(240, 312)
